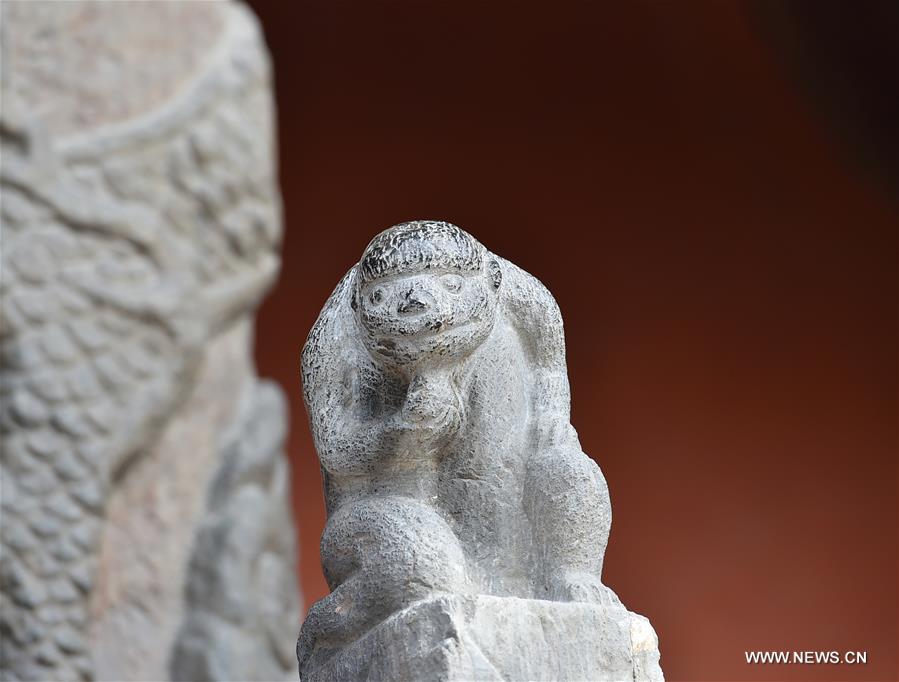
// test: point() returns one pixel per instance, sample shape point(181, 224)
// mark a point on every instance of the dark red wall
point(727, 275)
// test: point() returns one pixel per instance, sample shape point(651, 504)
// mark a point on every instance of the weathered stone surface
point(140, 228)
point(498, 638)
point(241, 590)
point(437, 392)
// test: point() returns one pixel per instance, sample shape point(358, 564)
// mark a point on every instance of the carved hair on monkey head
point(421, 245)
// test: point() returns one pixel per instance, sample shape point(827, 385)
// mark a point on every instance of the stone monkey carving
point(438, 396)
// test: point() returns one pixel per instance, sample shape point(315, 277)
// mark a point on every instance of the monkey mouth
point(431, 330)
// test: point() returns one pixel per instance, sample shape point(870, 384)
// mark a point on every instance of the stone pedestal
point(498, 638)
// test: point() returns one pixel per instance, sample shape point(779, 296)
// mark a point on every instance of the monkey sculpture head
point(426, 293)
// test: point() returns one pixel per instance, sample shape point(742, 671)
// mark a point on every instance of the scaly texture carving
point(437, 391)
point(131, 236)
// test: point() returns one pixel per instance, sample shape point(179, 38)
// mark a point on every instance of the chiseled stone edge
point(482, 637)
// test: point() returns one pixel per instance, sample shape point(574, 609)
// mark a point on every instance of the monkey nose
point(412, 304)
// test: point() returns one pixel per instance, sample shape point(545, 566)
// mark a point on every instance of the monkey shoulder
point(523, 295)
point(497, 380)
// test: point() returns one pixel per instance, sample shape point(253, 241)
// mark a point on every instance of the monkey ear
point(494, 273)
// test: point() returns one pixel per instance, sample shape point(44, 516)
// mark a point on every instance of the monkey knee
point(569, 509)
point(565, 477)
point(379, 556)
point(340, 555)
point(398, 546)
point(422, 550)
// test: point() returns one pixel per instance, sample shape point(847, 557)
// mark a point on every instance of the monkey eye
point(376, 296)
point(451, 283)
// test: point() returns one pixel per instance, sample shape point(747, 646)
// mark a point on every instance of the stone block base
point(497, 638)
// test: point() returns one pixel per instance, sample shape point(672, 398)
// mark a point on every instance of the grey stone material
point(498, 638)
point(139, 229)
point(241, 593)
point(466, 527)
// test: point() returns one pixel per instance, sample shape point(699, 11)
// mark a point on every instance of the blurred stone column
point(146, 531)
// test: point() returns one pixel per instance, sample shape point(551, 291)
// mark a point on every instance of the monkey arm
point(348, 441)
point(566, 497)
point(535, 315)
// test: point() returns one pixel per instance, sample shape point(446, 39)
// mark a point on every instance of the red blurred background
point(707, 188)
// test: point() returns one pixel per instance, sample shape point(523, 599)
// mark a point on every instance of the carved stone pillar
point(145, 526)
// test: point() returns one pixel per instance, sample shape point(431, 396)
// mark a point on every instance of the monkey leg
point(380, 555)
point(567, 503)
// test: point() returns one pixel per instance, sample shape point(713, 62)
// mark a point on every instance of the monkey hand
point(433, 408)
point(555, 432)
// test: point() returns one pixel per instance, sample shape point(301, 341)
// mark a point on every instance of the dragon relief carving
point(125, 248)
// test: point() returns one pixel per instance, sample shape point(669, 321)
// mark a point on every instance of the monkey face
point(434, 316)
